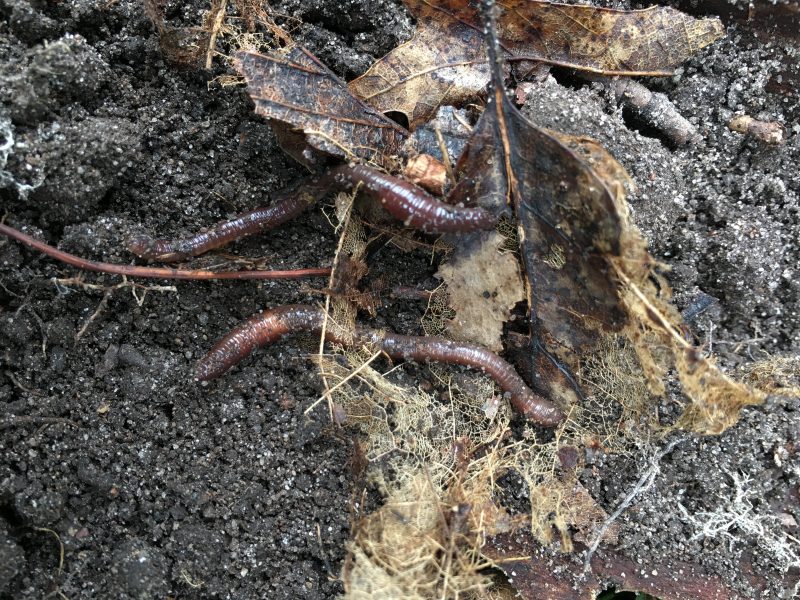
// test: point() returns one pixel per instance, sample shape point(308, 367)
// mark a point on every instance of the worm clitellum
point(412, 205)
point(403, 200)
point(273, 324)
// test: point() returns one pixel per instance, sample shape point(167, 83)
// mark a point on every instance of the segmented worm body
point(273, 324)
point(412, 205)
point(415, 207)
point(224, 233)
point(257, 331)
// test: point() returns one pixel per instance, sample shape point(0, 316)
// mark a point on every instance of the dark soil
point(158, 486)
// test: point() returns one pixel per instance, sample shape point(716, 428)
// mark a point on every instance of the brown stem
point(154, 273)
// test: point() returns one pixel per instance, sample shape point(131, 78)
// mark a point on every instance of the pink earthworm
point(403, 200)
point(274, 324)
point(412, 205)
point(226, 232)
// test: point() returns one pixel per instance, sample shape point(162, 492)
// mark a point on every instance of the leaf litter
point(603, 334)
point(444, 63)
point(601, 322)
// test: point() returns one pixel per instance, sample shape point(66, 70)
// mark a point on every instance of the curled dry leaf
point(444, 62)
point(297, 91)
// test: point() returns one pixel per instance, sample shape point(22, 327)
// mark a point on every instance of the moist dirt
point(121, 477)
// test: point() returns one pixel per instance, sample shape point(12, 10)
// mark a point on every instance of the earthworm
point(273, 324)
point(415, 207)
point(245, 224)
point(412, 205)
point(257, 331)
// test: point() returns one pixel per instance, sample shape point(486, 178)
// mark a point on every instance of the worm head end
point(143, 246)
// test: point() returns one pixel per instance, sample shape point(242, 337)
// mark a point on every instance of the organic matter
point(159, 486)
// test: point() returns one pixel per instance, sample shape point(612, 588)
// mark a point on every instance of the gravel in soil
point(159, 486)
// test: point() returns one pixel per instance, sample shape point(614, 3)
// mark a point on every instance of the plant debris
point(483, 285)
point(765, 131)
point(604, 337)
point(296, 90)
point(444, 63)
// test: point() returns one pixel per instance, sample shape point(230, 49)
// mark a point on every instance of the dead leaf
point(588, 516)
point(444, 62)
point(590, 278)
point(538, 574)
point(299, 92)
point(483, 285)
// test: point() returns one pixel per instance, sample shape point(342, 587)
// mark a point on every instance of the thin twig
point(151, 272)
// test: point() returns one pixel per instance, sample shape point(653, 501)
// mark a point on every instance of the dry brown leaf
point(588, 516)
point(444, 62)
point(483, 285)
point(590, 277)
point(538, 574)
point(299, 92)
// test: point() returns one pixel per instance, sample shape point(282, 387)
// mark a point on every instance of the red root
point(153, 273)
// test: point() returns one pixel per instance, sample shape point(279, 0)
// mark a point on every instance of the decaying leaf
point(588, 516)
point(538, 574)
point(483, 285)
point(590, 277)
point(444, 63)
point(181, 46)
point(297, 91)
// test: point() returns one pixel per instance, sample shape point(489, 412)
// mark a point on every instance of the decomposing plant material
point(483, 285)
point(426, 172)
point(444, 63)
point(301, 93)
point(194, 47)
point(602, 332)
point(182, 46)
point(768, 132)
point(274, 324)
point(654, 109)
point(588, 270)
point(538, 574)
